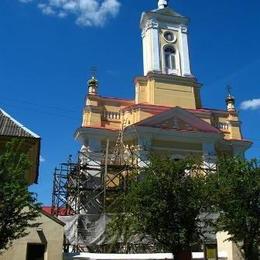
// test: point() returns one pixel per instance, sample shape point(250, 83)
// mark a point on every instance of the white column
point(151, 48)
point(145, 61)
point(184, 52)
point(155, 50)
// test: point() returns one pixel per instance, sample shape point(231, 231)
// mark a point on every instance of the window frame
point(173, 55)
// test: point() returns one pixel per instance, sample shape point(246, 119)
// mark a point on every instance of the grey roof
point(10, 127)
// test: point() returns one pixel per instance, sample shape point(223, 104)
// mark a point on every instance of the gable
point(178, 119)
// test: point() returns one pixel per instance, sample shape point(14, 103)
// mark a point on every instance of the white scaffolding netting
point(87, 229)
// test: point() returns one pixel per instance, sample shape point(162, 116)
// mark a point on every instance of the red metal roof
point(155, 109)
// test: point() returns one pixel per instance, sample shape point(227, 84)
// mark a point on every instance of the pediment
point(178, 119)
point(175, 123)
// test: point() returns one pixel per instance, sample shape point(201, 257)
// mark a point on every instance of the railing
point(223, 126)
point(107, 115)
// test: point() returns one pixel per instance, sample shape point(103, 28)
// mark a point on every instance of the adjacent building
point(46, 240)
point(10, 128)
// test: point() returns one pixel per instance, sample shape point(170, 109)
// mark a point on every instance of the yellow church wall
point(144, 115)
point(103, 112)
point(94, 119)
point(91, 102)
point(222, 119)
point(230, 130)
point(111, 107)
point(142, 95)
point(235, 133)
point(86, 119)
point(135, 116)
point(163, 91)
point(128, 117)
point(111, 124)
point(174, 95)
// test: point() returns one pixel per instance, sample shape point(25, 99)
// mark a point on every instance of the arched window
point(170, 59)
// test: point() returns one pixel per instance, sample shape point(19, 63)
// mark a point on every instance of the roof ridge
point(19, 124)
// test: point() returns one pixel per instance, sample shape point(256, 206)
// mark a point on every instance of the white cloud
point(46, 9)
point(42, 159)
point(86, 12)
point(251, 104)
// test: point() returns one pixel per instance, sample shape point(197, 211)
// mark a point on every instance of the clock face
point(169, 36)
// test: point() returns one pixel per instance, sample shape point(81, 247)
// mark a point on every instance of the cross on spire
point(229, 88)
point(162, 4)
point(93, 71)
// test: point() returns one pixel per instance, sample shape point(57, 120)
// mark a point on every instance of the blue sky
point(47, 48)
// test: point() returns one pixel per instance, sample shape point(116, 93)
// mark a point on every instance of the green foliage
point(18, 207)
point(235, 194)
point(165, 203)
point(168, 199)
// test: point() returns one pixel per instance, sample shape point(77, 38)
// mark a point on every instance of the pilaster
point(151, 49)
point(184, 52)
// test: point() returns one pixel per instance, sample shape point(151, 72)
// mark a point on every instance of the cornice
point(172, 79)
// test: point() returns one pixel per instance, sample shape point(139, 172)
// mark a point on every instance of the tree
point(18, 207)
point(235, 193)
point(165, 203)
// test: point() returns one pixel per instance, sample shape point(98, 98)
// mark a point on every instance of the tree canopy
point(18, 206)
point(173, 202)
point(165, 202)
point(235, 195)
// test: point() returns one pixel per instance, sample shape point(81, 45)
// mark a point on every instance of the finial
point(93, 71)
point(93, 82)
point(229, 88)
point(230, 100)
point(162, 4)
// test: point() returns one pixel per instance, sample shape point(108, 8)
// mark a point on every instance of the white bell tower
point(165, 42)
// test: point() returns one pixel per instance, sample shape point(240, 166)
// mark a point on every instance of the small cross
point(93, 71)
point(229, 88)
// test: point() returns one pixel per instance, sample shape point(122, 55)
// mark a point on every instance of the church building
point(166, 113)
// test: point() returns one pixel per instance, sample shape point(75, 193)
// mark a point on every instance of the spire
point(92, 86)
point(162, 4)
point(93, 82)
point(230, 101)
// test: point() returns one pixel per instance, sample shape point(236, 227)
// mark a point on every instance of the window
point(170, 59)
point(169, 36)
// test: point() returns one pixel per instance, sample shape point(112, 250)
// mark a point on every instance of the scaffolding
point(84, 191)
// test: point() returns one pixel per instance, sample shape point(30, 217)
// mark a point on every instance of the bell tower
point(165, 42)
